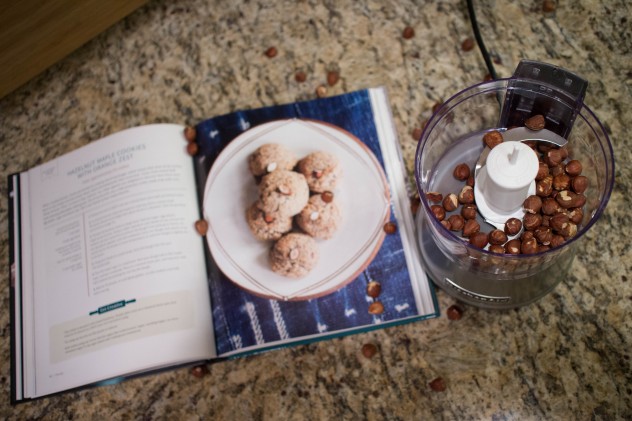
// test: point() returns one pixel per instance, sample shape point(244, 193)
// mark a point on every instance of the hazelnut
point(543, 235)
point(545, 221)
point(532, 204)
point(544, 187)
point(456, 222)
point(564, 152)
point(408, 32)
point(573, 168)
point(513, 226)
point(467, 44)
point(434, 197)
point(438, 212)
point(558, 220)
point(321, 91)
point(373, 289)
point(576, 215)
point(561, 182)
point(468, 211)
point(461, 172)
point(531, 221)
point(493, 138)
point(190, 134)
point(327, 196)
point(414, 205)
point(199, 371)
point(548, 6)
point(553, 157)
point(557, 240)
point(369, 350)
point(446, 224)
point(496, 248)
point(529, 246)
point(543, 247)
point(568, 199)
point(466, 195)
point(192, 148)
point(497, 237)
point(201, 226)
point(450, 202)
point(579, 184)
point(557, 170)
point(568, 230)
point(543, 171)
point(332, 77)
point(479, 239)
point(471, 227)
point(300, 76)
point(535, 122)
point(438, 384)
point(454, 312)
point(390, 228)
point(550, 206)
point(271, 52)
point(470, 181)
point(513, 246)
point(376, 307)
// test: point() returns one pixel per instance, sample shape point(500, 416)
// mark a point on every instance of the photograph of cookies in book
point(284, 196)
point(296, 209)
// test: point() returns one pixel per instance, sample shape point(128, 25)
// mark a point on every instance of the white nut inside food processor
point(505, 181)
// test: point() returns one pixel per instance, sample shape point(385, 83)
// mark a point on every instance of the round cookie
point(321, 170)
point(294, 255)
point(283, 192)
point(319, 218)
point(265, 226)
point(270, 157)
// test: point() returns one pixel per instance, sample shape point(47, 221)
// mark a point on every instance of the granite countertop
point(565, 357)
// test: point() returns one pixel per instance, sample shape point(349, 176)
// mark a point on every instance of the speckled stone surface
point(565, 357)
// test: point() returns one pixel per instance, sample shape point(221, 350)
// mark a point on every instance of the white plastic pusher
point(505, 181)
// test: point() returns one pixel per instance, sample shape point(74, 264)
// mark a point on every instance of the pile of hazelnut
point(552, 215)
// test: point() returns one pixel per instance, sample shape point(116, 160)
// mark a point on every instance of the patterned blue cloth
point(243, 320)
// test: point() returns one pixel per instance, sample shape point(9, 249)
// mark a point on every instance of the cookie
point(319, 218)
point(283, 192)
point(265, 226)
point(321, 170)
point(294, 255)
point(270, 157)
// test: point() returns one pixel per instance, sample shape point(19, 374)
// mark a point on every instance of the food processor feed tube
point(510, 268)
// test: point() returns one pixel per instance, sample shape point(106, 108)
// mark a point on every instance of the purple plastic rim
point(492, 87)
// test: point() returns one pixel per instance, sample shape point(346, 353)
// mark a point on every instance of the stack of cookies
point(295, 205)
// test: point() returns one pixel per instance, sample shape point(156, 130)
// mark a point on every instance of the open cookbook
point(111, 275)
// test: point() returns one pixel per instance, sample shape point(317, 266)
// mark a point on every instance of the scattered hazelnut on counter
point(271, 52)
point(376, 307)
point(454, 312)
point(416, 133)
point(369, 350)
point(390, 228)
point(492, 139)
point(190, 134)
point(192, 148)
point(373, 289)
point(438, 384)
point(436, 106)
point(201, 226)
point(199, 371)
point(467, 44)
point(321, 91)
point(332, 77)
point(300, 76)
point(548, 6)
point(415, 202)
point(535, 122)
point(408, 32)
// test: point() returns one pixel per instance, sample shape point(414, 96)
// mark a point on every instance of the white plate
point(362, 195)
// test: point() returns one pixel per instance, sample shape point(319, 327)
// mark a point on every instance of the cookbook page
point(118, 271)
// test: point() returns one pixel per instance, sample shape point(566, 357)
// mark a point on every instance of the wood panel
point(36, 34)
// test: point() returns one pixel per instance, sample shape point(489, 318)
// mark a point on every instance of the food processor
point(503, 177)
